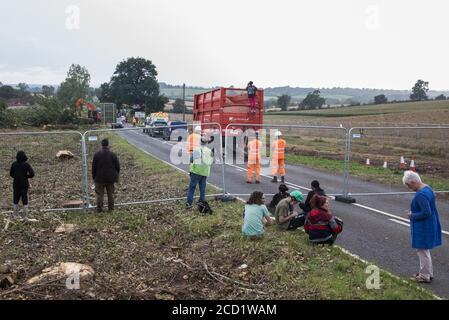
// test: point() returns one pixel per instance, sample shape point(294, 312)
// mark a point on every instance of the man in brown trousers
point(105, 172)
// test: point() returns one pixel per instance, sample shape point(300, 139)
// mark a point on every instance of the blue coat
point(425, 222)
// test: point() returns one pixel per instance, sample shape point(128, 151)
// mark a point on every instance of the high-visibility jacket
point(202, 160)
point(193, 142)
point(278, 149)
point(254, 150)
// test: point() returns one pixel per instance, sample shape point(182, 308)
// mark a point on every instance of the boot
point(282, 179)
point(25, 213)
point(275, 179)
point(15, 214)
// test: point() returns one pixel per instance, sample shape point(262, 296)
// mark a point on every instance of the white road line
point(400, 222)
point(395, 217)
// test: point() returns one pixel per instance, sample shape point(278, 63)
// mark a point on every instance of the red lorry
point(226, 106)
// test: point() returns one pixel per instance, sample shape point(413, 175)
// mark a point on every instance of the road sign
point(139, 115)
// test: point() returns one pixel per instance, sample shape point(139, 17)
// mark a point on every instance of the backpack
point(204, 208)
point(340, 223)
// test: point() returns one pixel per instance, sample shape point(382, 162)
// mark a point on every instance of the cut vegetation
point(161, 252)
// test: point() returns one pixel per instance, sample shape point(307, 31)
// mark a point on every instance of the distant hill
point(332, 95)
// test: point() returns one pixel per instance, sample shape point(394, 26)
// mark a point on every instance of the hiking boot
point(25, 213)
point(275, 179)
point(15, 214)
point(188, 206)
point(257, 181)
point(250, 182)
point(282, 179)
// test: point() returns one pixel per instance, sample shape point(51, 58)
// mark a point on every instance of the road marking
point(400, 222)
point(395, 217)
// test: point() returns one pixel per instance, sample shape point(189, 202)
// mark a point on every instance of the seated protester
point(256, 216)
point(286, 218)
point(282, 194)
point(321, 225)
point(315, 190)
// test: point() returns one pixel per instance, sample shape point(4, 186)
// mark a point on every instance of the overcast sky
point(319, 43)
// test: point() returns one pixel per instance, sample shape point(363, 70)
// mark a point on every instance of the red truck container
point(226, 106)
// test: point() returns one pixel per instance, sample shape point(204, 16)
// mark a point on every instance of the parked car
point(117, 125)
point(178, 125)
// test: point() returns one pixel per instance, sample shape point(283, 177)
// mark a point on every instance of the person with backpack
point(256, 216)
point(251, 90)
point(282, 194)
point(200, 163)
point(286, 218)
point(21, 171)
point(320, 224)
point(315, 190)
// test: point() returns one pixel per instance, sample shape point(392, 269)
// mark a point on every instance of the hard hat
point(197, 128)
point(278, 134)
point(297, 195)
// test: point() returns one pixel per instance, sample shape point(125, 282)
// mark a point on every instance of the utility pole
point(184, 101)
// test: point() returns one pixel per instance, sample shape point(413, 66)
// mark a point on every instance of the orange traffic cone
point(385, 164)
point(412, 165)
point(367, 162)
point(402, 165)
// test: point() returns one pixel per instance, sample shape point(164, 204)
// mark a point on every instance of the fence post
point(345, 198)
point(85, 172)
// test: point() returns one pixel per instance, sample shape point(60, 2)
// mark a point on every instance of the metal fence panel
point(56, 181)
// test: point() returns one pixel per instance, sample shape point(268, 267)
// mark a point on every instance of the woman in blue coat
point(424, 225)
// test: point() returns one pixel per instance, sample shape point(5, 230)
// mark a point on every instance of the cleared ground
point(160, 252)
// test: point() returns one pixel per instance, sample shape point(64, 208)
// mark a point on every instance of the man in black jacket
point(105, 172)
point(315, 190)
point(282, 194)
point(21, 171)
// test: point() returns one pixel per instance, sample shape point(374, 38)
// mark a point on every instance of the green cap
point(297, 195)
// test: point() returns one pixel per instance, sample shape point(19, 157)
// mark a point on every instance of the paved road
point(376, 227)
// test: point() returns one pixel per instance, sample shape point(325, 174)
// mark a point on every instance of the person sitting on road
point(286, 218)
point(282, 194)
point(256, 216)
point(315, 190)
point(320, 224)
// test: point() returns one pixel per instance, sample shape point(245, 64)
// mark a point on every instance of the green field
point(368, 110)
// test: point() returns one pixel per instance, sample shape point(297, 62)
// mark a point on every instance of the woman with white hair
point(424, 224)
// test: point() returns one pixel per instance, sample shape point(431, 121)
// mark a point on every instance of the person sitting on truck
point(194, 140)
point(251, 90)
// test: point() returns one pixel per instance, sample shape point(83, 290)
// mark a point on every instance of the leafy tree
point(178, 106)
point(8, 92)
point(104, 93)
point(23, 89)
point(419, 91)
point(75, 86)
point(48, 91)
point(134, 83)
point(380, 99)
point(441, 97)
point(313, 100)
point(283, 101)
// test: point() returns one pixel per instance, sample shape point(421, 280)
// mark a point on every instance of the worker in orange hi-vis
point(254, 155)
point(278, 157)
point(194, 140)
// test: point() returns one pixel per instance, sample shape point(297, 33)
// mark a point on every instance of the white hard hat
point(278, 134)
point(197, 128)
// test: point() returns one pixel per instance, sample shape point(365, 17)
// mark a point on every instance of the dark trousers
point(20, 193)
point(296, 223)
point(99, 190)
